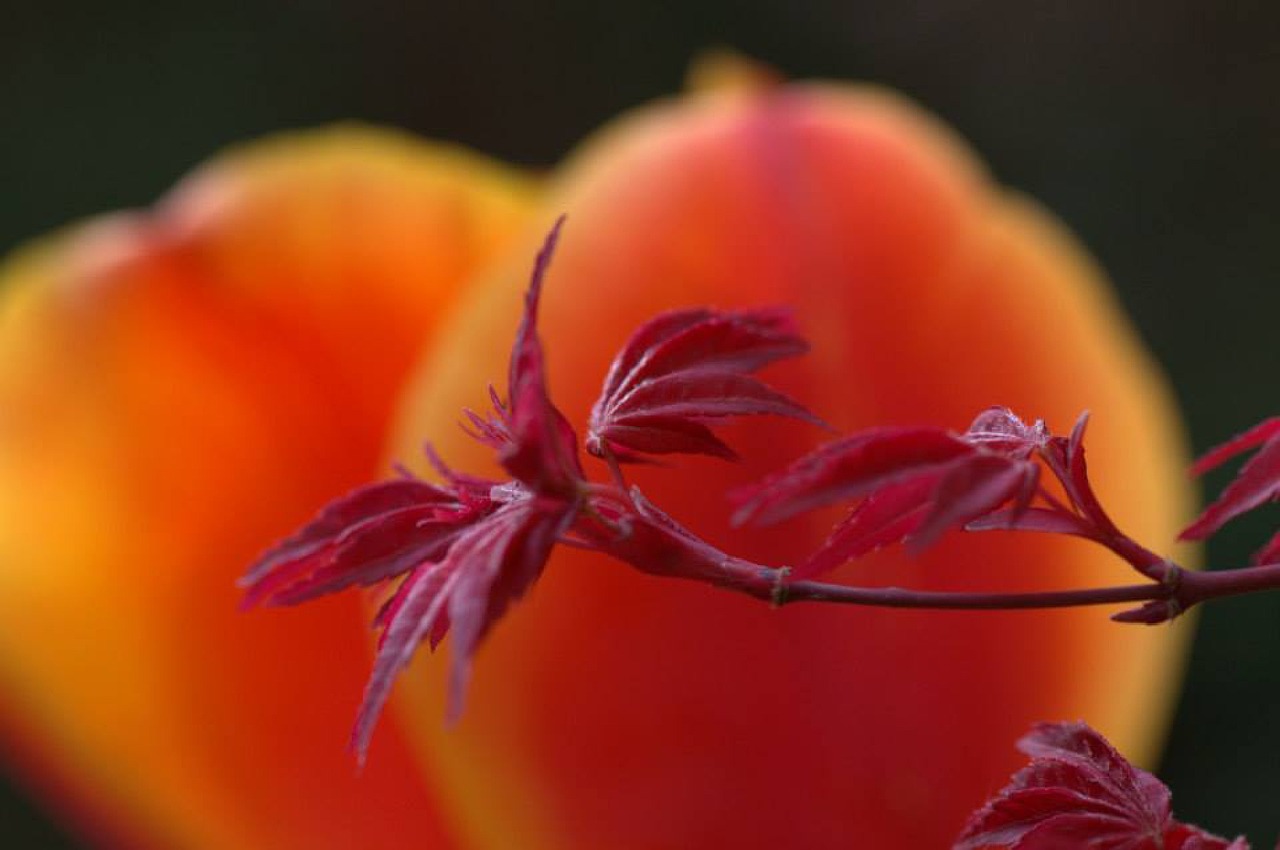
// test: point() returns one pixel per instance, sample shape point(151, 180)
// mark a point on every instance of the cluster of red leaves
point(916, 483)
point(1078, 792)
point(1257, 483)
point(463, 550)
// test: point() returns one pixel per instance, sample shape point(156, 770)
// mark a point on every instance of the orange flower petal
point(177, 389)
point(613, 709)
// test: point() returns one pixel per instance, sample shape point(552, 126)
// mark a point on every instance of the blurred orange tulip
point(178, 389)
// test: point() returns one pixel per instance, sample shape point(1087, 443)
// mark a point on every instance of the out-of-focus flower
point(177, 390)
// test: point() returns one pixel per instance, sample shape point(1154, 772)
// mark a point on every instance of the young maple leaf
point(465, 549)
point(373, 533)
point(1078, 792)
point(541, 449)
point(914, 483)
point(490, 564)
point(1257, 483)
point(684, 369)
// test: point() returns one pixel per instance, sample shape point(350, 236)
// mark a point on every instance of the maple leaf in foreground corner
point(1078, 792)
point(468, 547)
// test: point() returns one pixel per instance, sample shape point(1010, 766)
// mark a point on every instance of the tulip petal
point(624, 711)
point(179, 388)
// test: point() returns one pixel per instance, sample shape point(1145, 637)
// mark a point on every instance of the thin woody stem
point(896, 597)
point(1181, 589)
point(1202, 587)
point(771, 584)
point(1138, 556)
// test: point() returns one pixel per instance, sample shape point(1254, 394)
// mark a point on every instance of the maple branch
point(1171, 591)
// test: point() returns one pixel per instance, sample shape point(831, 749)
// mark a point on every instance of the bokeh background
point(1151, 127)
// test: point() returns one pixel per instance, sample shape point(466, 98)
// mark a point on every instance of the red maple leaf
point(914, 483)
point(464, 549)
point(489, 565)
point(541, 449)
point(1078, 793)
point(373, 533)
point(687, 368)
point(1257, 483)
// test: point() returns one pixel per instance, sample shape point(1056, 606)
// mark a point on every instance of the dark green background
point(1152, 128)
